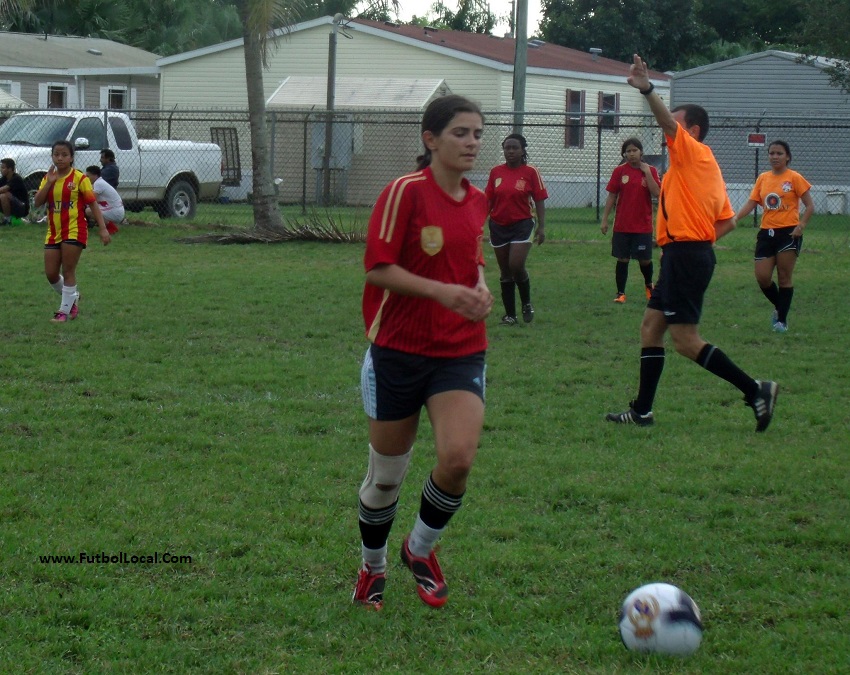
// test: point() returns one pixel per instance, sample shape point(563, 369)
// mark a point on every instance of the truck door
point(92, 130)
point(126, 157)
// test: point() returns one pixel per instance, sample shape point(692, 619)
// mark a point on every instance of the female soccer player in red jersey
point(780, 238)
point(511, 189)
point(66, 191)
point(632, 186)
point(424, 306)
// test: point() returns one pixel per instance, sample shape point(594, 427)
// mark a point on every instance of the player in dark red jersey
point(511, 189)
point(424, 306)
point(632, 186)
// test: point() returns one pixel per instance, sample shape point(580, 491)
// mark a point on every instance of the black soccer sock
point(621, 276)
point(375, 524)
point(717, 363)
point(784, 303)
point(509, 296)
point(647, 274)
point(524, 290)
point(771, 293)
point(651, 367)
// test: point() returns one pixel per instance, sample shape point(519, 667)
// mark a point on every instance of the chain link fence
point(575, 155)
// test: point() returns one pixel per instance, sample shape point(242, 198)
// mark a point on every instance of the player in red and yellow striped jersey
point(66, 192)
point(424, 306)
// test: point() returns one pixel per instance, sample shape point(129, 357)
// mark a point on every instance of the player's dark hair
point(695, 115)
point(8, 162)
point(106, 152)
point(784, 144)
point(522, 143)
point(437, 116)
point(631, 141)
point(94, 169)
point(64, 144)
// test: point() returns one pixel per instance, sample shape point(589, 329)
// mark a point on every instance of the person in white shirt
point(108, 199)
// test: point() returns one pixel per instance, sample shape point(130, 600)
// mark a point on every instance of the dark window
point(122, 136)
point(56, 96)
point(609, 108)
point(228, 140)
point(90, 128)
point(116, 99)
point(574, 137)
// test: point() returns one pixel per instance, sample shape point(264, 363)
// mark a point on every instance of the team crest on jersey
point(786, 186)
point(497, 182)
point(773, 201)
point(431, 239)
point(625, 179)
point(520, 184)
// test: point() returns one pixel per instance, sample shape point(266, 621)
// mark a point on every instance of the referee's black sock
point(717, 363)
point(651, 367)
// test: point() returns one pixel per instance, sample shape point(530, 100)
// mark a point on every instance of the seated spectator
point(107, 198)
point(14, 196)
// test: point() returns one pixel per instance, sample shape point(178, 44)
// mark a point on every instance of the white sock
point(422, 539)
point(69, 297)
point(57, 285)
point(376, 558)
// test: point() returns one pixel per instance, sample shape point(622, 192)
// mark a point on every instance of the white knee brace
point(383, 479)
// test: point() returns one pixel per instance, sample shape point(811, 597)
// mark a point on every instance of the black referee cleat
point(631, 417)
point(763, 403)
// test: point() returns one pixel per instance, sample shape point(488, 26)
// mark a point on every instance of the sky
point(498, 7)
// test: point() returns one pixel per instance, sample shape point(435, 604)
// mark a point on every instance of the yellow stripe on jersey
point(390, 214)
point(372, 333)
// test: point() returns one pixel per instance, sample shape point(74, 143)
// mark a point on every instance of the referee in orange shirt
point(694, 211)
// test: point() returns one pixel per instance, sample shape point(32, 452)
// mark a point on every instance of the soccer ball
point(660, 618)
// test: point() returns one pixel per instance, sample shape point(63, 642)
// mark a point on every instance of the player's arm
point(606, 212)
point(540, 209)
point(810, 209)
point(639, 79)
point(724, 227)
point(652, 183)
point(746, 209)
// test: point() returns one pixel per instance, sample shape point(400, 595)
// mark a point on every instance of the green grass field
point(206, 404)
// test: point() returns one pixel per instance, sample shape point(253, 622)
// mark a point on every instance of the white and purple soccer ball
point(662, 619)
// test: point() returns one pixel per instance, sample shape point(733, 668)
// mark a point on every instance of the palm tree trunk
point(266, 213)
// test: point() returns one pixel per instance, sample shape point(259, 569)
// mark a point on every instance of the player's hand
point(603, 226)
point(797, 232)
point(105, 237)
point(52, 174)
point(638, 74)
point(471, 303)
point(539, 236)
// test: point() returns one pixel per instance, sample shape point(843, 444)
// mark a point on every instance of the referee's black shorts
point(686, 270)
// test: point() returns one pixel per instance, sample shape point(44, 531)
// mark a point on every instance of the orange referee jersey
point(66, 208)
point(693, 194)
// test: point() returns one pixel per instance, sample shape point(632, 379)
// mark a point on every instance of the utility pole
point(329, 112)
point(520, 63)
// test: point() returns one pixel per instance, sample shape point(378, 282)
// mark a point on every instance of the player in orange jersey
point(780, 238)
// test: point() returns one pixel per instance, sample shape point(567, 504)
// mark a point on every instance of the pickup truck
point(171, 176)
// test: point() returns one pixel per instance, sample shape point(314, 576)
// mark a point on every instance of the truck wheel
point(36, 214)
point(180, 201)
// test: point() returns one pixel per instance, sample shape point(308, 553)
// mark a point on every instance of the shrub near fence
point(575, 156)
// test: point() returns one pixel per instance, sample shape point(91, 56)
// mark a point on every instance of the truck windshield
point(42, 130)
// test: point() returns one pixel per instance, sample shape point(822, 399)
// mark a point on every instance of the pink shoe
point(75, 311)
point(59, 317)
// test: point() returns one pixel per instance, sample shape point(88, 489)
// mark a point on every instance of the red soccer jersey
point(634, 201)
point(66, 208)
point(511, 191)
point(417, 226)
